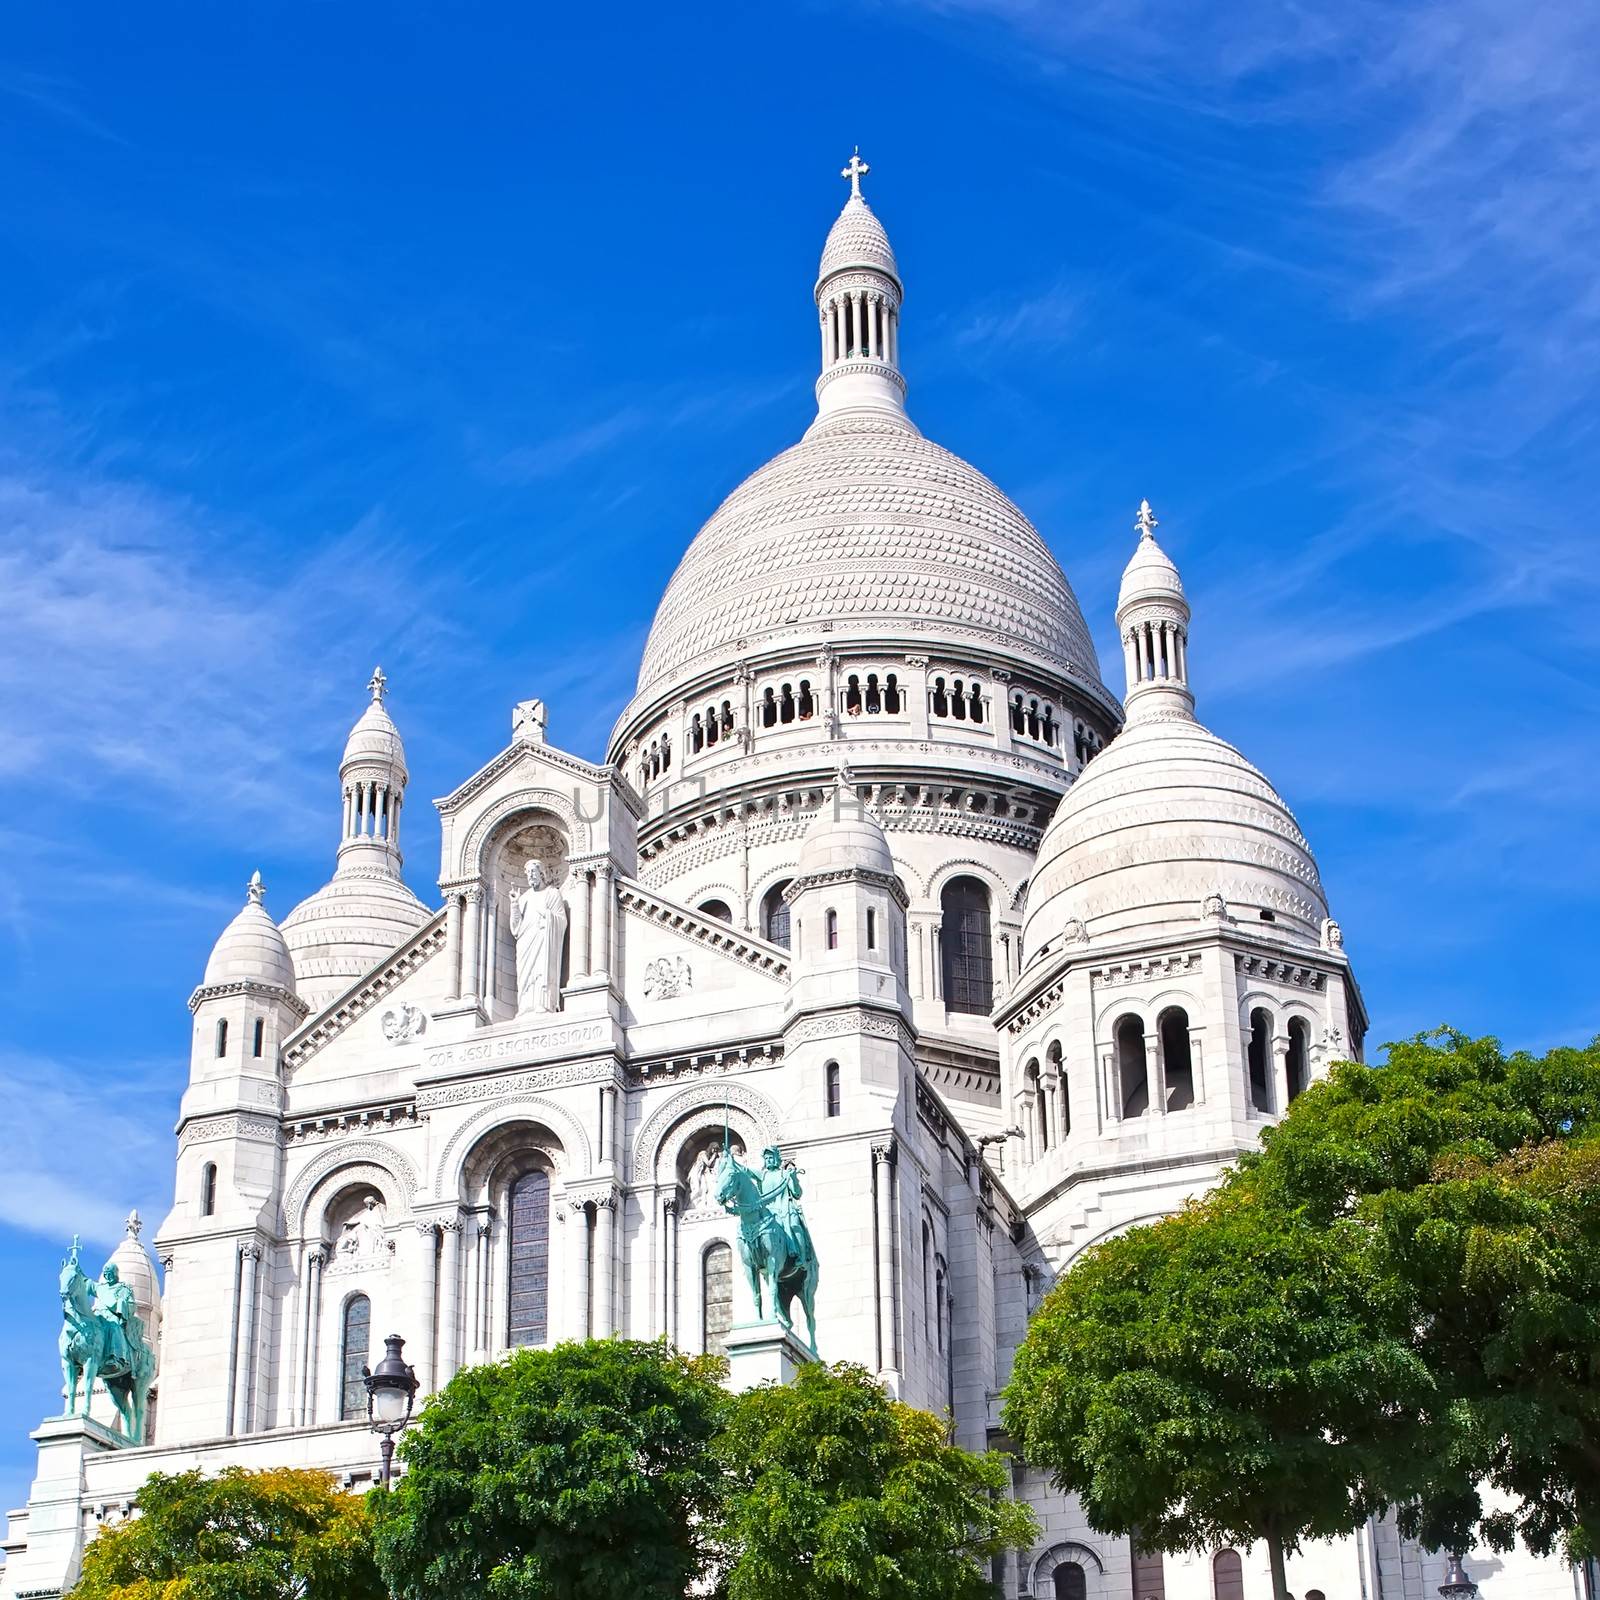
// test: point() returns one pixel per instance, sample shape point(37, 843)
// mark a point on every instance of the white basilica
point(878, 871)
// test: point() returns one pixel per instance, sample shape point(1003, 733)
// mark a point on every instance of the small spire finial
point(257, 890)
point(135, 1223)
point(855, 170)
point(1145, 522)
point(378, 684)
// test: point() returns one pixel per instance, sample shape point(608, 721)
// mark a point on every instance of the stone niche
point(530, 836)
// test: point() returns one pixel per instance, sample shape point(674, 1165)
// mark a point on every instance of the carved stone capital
point(249, 1250)
point(884, 1154)
point(450, 1224)
point(669, 1205)
point(316, 1256)
point(472, 893)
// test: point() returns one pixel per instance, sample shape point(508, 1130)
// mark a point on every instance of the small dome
point(843, 836)
point(1167, 816)
point(375, 738)
point(251, 948)
point(1150, 575)
point(138, 1271)
point(339, 934)
point(857, 239)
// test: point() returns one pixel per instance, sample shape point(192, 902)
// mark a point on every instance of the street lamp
point(390, 1393)
point(1457, 1585)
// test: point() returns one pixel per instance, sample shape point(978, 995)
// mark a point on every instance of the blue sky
point(332, 334)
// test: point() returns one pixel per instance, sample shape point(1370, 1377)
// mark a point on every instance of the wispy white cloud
point(56, 1105)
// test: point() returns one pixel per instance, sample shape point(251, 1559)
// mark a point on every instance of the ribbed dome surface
point(340, 933)
point(865, 523)
point(375, 738)
point(250, 949)
point(857, 239)
point(1164, 817)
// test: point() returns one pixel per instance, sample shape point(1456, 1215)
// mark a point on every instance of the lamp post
point(391, 1390)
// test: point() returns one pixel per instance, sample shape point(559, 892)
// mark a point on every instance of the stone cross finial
point(257, 890)
point(378, 684)
point(855, 170)
point(135, 1223)
point(1146, 522)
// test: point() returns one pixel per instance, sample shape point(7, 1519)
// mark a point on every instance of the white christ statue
point(538, 923)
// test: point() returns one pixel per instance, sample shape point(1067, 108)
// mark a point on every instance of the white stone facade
point(798, 904)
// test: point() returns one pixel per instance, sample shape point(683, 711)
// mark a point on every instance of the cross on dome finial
point(257, 890)
point(1146, 522)
point(855, 170)
point(134, 1223)
point(378, 684)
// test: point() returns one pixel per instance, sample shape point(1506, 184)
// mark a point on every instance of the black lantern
point(391, 1390)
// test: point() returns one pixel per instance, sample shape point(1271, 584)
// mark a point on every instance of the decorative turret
point(1153, 619)
point(858, 298)
point(246, 1003)
point(350, 924)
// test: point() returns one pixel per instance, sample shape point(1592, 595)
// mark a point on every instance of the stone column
point(606, 894)
point(476, 1246)
point(422, 1317)
point(577, 1269)
point(244, 1364)
point(471, 976)
point(605, 1264)
point(452, 946)
point(609, 1107)
point(312, 1320)
point(883, 1183)
point(1052, 1107)
point(669, 1283)
point(581, 896)
point(1154, 1075)
point(1280, 1073)
point(449, 1300)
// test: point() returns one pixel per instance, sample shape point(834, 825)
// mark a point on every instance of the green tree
point(837, 1492)
point(1227, 1375)
point(283, 1534)
point(1475, 1177)
point(578, 1473)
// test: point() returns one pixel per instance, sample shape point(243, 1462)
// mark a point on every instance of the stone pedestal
point(49, 1564)
point(764, 1352)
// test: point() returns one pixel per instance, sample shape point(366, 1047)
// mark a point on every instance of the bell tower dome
point(858, 296)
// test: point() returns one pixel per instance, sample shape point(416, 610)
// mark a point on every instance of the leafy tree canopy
point(584, 1472)
point(282, 1534)
point(1475, 1177)
point(837, 1492)
point(1226, 1375)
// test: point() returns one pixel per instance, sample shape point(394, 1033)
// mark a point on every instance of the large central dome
point(866, 525)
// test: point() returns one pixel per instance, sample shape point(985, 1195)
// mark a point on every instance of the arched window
point(872, 929)
point(528, 1260)
point(697, 737)
point(1053, 1057)
point(941, 700)
point(726, 717)
point(1133, 1078)
point(958, 700)
point(1261, 1059)
point(808, 706)
point(852, 696)
point(716, 908)
point(786, 703)
point(1069, 1581)
point(775, 914)
point(258, 1037)
point(355, 1341)
point(830, 924)
point(1019, 717)
point(891, 695)
point(1227, 1576)
point(1048, 727)
point(832, 1097)
point(874, 701)
point(208, 1189)
point(716, 1297)
point(1176, 1059)
point(222, 1037)
point(967, 947)
point(1299, 1063)
point(769, 709)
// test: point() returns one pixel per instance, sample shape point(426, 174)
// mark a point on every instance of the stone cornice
point(356, 1001)
point(760, 955)
point(887, 881)
point(268, 991)
point(603, 776)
